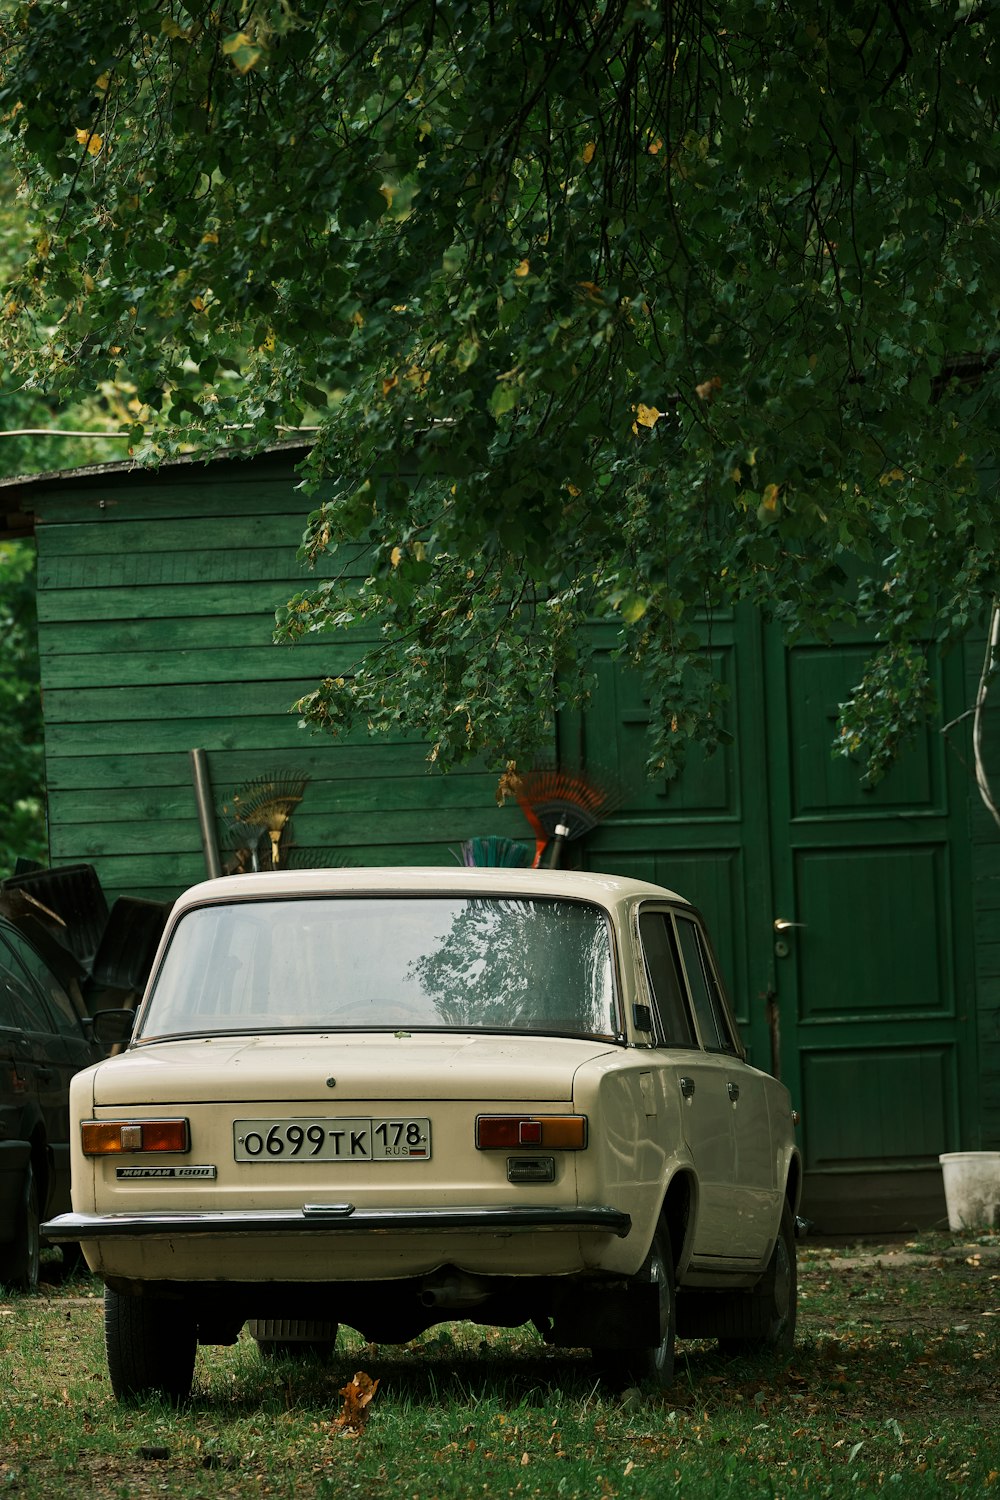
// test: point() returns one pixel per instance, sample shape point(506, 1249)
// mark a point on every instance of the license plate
point(311, 1138)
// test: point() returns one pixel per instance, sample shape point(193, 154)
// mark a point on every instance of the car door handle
point(687, 1087)
point(734, 1091)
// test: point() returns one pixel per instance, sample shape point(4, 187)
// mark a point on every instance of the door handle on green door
point(782, 924)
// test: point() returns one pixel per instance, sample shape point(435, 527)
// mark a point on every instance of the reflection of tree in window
point(704, 990)
point(537, 965)
point(664, 980)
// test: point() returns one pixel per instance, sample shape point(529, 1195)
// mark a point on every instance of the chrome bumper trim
point(168, 1224)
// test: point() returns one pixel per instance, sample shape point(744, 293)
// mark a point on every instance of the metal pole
point(206, 813)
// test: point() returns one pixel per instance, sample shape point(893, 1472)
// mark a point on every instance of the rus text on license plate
point(312, 1138)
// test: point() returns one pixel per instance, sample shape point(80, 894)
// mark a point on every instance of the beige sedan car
point(395, 1097)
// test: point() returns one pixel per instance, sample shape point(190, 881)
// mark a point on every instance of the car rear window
point(443, 962)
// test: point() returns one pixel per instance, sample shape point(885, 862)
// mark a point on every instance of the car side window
point(59, 1003)
point(674, 1028)
point(29, 1010)
point(713, 1022)
point(11, 1016)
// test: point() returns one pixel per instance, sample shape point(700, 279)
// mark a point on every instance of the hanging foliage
point(619, 310)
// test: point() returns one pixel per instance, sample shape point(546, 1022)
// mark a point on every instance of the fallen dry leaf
point(358, 1394)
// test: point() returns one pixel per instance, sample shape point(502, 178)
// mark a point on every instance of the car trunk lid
point(349, 1065)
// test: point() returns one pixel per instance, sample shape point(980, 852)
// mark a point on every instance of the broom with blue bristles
point(494, 850)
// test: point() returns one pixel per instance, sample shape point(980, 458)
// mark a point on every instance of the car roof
point(578, 885)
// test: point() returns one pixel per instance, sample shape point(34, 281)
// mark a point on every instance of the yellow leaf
point(769, 499)
point(396, 556)
point(573, 490)
point(707, 389)
point(242, 52)
point(210, 237)
point(12, 309)
point(388, 193)
point(588, 152)
point(592, 289)
point(91, 140)
point(655, 147)
point(88, 282)
point(389, 384)
point(102, 82)
point(358, 320)
point(198, 303)
point(647, 416)
point(522, 269)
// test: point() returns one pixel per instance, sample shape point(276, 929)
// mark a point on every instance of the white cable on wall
point(982, 778)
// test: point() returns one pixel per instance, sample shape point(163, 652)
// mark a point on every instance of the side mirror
point(111, 1026)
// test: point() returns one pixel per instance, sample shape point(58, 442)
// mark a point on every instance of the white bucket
point(972, 1188)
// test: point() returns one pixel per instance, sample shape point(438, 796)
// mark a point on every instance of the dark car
point(45, 1038)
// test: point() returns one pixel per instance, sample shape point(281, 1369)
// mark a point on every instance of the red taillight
point(110, 1137)
point(508, 1132)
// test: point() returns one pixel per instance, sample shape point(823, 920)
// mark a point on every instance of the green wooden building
point(859, 930)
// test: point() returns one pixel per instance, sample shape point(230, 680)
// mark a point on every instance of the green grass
point(892, 1387)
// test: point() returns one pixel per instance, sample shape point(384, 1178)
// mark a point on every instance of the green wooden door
point(873, 973)
point(840, 915)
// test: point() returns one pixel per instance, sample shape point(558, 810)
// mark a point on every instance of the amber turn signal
point(555, 1132)
point(110, 1137)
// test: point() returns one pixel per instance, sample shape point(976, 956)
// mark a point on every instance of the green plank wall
point(157, 593)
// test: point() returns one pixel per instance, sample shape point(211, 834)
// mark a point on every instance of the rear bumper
point(336, 1219)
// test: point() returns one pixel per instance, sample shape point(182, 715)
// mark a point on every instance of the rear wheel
point(151, 1344)
point(772, 1306)
point(654, 1363)
point(21, 1258)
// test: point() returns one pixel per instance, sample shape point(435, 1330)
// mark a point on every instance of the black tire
point(21, 1258)
point(774, 1303)
point(654, 1364)
point(151, 1344)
